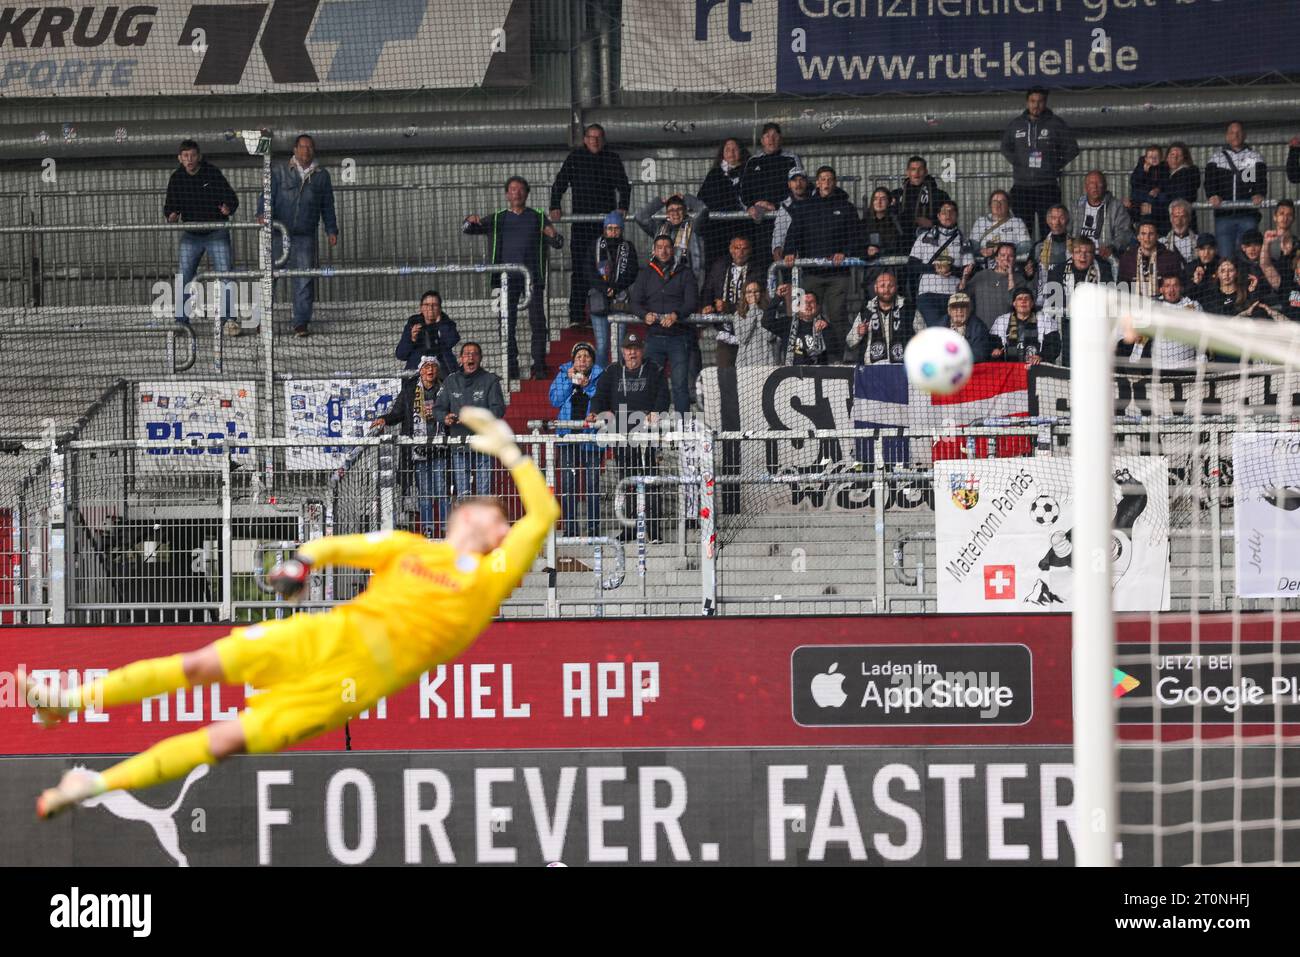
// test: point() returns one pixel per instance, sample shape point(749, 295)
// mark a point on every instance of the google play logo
point(1123, 683)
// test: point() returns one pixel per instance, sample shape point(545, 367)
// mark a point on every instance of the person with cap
point(613, 271)
point(1025, 333)
point(571, 394)
point(630, 395)
point(884, 326)
point(1144, 264)
point(810, 339)
point(962, 321)
point(472, 385)
point(665, 293)
point(1247, 259)
point(797, 195)
point(1198, 277)
point(414, 413)
point(827, 227)
point(764, 182)
point(429, 332)
point(520, 236)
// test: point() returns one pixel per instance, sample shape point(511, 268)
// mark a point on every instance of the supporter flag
point(884, 399)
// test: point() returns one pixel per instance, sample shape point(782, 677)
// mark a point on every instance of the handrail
point(153, 228)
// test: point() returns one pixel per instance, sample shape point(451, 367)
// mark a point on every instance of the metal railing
point(504, 270)
point(105, 533)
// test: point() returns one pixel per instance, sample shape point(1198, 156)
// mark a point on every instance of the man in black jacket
point(827, 227)
point(809, 340)
point(918, 200)
point(763, 183)
point(599, 185)
point(1236, 173)
point(1039, 146)
point(521, 236)
point(414, 413)
point(664, 294)
point(198, 193)
point(630, 395)
point(724, 293)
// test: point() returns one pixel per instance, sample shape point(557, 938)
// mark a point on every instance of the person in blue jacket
point(302, 197)
point(571, 395)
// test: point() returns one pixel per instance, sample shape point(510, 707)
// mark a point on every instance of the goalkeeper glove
point(289, 578)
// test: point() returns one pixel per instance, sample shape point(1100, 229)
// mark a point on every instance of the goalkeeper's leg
point(168, 760)
point(133, 682)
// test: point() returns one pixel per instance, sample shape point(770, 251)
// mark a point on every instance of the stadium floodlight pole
point(1092, 346)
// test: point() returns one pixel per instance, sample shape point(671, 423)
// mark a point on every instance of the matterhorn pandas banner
point(1266, 486)
point(1004, 531)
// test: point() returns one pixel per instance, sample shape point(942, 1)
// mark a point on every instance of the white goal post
point(1100, 316)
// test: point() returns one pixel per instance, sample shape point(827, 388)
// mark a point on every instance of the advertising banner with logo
point(1266, 496)
point(864, 47)
point(332, 408)
point(664, 683)
point(1003, 535)
point(792, 807)
point(170, 412)
point(988, 680)
point(226, 46)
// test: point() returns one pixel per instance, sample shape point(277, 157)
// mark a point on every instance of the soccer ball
point(938, 361)
point(1045, 510)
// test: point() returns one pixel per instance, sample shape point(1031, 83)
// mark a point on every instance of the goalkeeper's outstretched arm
point(509, 563)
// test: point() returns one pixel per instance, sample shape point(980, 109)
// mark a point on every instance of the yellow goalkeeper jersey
point(427, 601)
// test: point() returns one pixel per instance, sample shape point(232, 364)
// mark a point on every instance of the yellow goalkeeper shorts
point(313, 672)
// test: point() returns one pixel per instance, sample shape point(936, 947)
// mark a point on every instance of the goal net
point(1187, 714)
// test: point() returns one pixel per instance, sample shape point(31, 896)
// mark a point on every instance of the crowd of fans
point(1005, 285)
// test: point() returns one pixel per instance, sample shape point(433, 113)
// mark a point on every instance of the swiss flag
point(999, 582)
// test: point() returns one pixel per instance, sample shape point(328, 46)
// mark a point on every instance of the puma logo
point(125, 805)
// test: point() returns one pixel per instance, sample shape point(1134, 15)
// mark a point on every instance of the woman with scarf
point(613, 270)
point(413, 411)
point(1026, 333)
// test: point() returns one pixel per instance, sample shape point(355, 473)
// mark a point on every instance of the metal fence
point(97, 530)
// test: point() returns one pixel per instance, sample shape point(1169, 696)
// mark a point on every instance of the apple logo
point(827, 688)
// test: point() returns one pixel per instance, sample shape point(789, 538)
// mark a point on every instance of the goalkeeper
point(426, 602)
